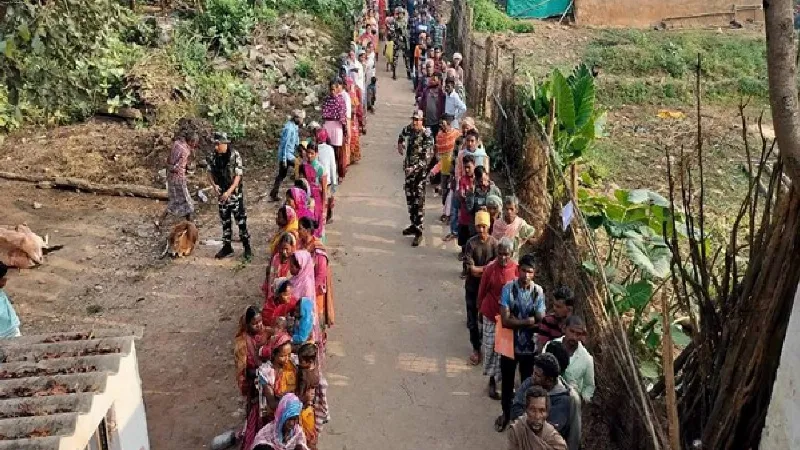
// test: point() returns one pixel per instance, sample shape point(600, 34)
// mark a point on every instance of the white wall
point(782, 429)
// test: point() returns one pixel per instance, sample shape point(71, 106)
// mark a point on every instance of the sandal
point(500, 424)
point(449, 237)
point(491, 391)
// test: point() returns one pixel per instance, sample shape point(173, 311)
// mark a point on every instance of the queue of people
point(442, 146)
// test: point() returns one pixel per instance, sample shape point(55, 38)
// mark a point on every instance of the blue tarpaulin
point(537, 9)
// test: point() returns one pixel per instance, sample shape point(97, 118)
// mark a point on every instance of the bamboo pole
point(673, 427)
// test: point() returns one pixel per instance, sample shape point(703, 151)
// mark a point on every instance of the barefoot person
point(225, 171)
point(180, 201)
point(417, 143)
point(480, 250)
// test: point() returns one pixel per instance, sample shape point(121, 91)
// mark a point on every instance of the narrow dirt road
point(398, 358)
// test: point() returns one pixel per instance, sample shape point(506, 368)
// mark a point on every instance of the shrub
point(225, 24)
point(61, 61)
point(488, 18)
point(189, 52)
point(227, 101)
point(305, 69)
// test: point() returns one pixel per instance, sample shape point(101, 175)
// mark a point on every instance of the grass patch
point(658, 66)
point(490, 19)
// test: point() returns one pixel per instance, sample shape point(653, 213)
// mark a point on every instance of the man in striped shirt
point(552, 325)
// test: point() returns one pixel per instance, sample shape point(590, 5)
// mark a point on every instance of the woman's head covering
point(482, 218)
point(277, 341)
point(457, 56)
point(495, 201)
point(322, 135)
point(289, 407)
point(303, 282)
point(300, 198)
point(305, 323)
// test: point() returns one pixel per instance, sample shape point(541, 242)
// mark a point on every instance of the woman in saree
point(323, 277)
point(286, 219)
point(279, 262)
point(277, 376)
point(302, 270)
point(357, 121)
point(512, 226)
point(306, 327)
point(335, 122)
point(285, 432)
point(249, 337)
point(297, 199)
point(281, 304)
point(317, 178)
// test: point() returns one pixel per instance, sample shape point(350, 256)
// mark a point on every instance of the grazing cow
point(23, 249)
point(182, 240)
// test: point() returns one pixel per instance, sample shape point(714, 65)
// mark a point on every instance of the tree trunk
point(120, 190)
point(782, 70)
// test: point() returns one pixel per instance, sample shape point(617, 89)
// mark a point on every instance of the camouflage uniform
point(224, 168)
point(419, 148)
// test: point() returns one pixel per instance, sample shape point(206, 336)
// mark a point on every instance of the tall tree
point(782, 69)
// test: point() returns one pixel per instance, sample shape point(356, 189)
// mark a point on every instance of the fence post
point(487, 65)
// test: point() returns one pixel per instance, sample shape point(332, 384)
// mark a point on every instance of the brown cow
point(23, 249)
point(182, 240)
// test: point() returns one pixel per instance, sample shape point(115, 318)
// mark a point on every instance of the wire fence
point(497, 95)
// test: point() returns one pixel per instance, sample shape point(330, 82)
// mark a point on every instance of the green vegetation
point(636, 263)
point(657, 67)
point(59, 60)
point(578, 122)
point(488, 18)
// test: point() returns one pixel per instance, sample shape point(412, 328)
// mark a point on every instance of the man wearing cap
point(418, 143)
point(225, 171)
point(290, 139)
point(480, 250)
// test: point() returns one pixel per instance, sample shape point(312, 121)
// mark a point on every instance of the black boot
point(248, 252)
point(225, 251)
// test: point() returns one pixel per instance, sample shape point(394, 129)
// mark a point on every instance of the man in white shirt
point(580, 371)
point(453, 104)
point(327, 158)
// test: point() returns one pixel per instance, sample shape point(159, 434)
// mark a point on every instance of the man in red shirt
point(497, 274)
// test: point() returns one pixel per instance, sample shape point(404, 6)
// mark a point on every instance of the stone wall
point(677, 13)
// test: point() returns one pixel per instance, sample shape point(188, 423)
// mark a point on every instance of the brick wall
point(674, 13)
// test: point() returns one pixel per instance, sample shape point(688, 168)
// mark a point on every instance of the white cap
point(457, 56)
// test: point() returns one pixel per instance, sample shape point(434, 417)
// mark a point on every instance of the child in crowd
point(9, 321)
point(552, 325)
point(308, 356)
point(307, 392)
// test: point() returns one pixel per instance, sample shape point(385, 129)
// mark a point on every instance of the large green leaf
point(591, 267)
point(649, 255)
point(679, 338)
point(641, 196)
point(583, 93)
point(637, 296)
point(565, 103)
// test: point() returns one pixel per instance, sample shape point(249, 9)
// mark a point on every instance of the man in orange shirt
point(445, 143)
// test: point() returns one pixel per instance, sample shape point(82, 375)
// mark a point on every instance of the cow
point(182, 240)
point(21, 248)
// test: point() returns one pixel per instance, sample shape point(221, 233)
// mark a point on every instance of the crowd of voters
point(280, 348)
point(443, 147)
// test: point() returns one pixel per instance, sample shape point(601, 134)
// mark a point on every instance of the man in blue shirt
point(522, 307)
point(9, 322)
point(290, 139)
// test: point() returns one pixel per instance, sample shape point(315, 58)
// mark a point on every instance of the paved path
point(398, 372)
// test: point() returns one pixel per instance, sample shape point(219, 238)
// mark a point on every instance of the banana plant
point(578, 120)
